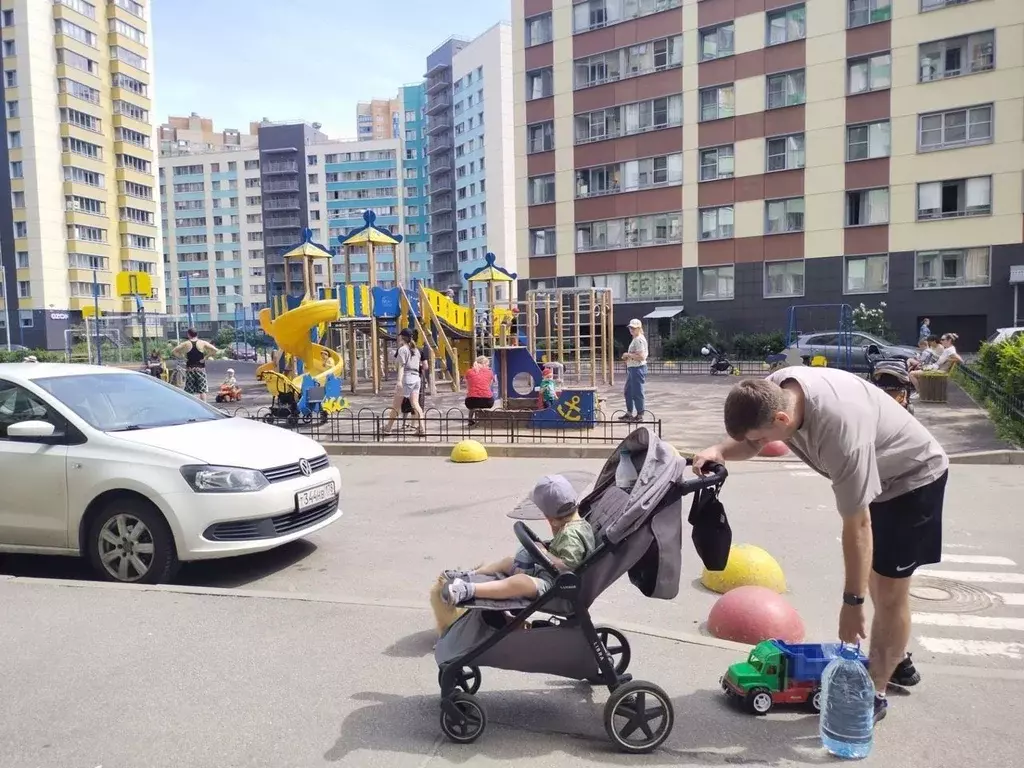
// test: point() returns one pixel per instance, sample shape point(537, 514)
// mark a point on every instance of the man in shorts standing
point(888, 474)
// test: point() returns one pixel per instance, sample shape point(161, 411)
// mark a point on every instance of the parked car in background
point(136, 476)
point(241, 351)
point(1005, 334)
point(846, 350)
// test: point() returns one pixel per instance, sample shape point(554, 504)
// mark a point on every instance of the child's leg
point(519, 585)
point(502, 566)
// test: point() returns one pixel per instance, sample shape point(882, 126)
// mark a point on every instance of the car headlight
point(206, 478)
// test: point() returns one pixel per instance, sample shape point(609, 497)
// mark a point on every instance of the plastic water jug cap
point(848, 651)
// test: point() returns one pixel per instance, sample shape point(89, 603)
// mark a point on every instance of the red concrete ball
point(752, 614)
point(774, 449)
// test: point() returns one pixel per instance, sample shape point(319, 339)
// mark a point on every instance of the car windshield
point(118, 402)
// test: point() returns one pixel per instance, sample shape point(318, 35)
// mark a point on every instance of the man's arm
point(209, 348)
point(727, 450)
point(857, 552)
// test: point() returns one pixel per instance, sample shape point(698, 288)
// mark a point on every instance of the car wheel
point(130, 542)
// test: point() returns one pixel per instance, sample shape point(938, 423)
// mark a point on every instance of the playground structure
point(826, 318)
point(306, 376)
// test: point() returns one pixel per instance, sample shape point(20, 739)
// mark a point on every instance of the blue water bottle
point(847, 705)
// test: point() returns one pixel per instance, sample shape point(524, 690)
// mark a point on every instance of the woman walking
point(409, 382)
point(636, 372)
point(195, 351)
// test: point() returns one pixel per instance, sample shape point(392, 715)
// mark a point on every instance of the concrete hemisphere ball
point(468, 452)
point(752, 614)
point(748, 565)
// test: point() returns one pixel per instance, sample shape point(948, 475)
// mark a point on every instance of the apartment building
point(471, 157)
point(378, 119)
point(732, 159)
point(185, 135)
point(230, 216)
point(79, 196)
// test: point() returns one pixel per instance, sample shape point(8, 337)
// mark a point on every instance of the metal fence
point(1006, 407)
point(509, 427)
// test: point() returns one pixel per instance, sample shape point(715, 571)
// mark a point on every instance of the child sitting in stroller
point(573, 540)
point(229, 389)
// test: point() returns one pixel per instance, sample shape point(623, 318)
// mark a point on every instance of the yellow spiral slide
point(291, 331)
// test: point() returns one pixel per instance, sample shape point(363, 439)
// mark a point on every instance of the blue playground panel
point(574, 408)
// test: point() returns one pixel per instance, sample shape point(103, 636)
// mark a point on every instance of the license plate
point(314, 496)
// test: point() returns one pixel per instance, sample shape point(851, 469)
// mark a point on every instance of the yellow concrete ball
point(468, 452)
point(748, 566)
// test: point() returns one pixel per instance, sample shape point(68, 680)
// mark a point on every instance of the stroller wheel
point(617, 646)
point(472, 718)
point(468, 680)
point(638, 717)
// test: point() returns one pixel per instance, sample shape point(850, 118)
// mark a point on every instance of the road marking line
point(968, 620)
point(948, 645)
point(961, 546)
point(976, 559)
point(806, 473)
point(1011, 598)
point(979, 577)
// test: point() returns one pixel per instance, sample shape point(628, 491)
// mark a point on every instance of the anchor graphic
point(570, 411)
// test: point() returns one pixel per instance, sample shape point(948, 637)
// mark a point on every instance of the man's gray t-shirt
point(860, 438)
point(409, 358)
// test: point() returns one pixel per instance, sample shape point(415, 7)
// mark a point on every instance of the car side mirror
point(31, 431)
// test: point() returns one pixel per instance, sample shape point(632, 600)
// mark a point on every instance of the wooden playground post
point(609, 337)
point(593, 338)
point(531, 320)
point(576, 332)
point(371, 265)
point(548, 337)
point(477, 346)
point(560, 321)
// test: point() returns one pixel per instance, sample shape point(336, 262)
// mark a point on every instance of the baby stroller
point(892, 375)
point(637, 531)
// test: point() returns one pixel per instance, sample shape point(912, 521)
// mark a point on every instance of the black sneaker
point(881, 707)
point(905, 675)
point(626, 417)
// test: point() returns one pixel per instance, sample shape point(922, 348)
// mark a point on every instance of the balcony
point(279, 241)
point(444, 243)
point(438, 124)
point(282, 222)
point(438, 102)
point(291, 185)
point(440, 204)
point(443, 144)
point(442, 183)
point(282, 204)
point(441, 81)
point(287, 167)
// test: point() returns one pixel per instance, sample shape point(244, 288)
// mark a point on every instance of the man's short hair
point(191, 333)
point(752, 404)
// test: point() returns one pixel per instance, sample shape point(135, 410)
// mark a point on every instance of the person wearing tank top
point(195, 351)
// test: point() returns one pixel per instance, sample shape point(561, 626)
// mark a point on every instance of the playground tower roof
point(370, 233)
point(307, 249)
point(490, 273)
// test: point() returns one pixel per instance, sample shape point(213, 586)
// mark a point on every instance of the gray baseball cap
point(554, 496)
point(579, 481)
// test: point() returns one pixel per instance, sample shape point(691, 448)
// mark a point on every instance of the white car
point(137, 476)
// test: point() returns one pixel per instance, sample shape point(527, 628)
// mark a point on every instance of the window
point(638, 231)
point(863, 12)
point(538, 29)
point(716, 223)
point(786, 89)
point(9, 49)
point(867, 207)
point(717, 42)
point(82, 6)
point(870, 74)
point(934, 5)
point(593, 14)
point(716, 283)
point(10, 78)
point(717, 102)
point(14, 139)
point(17, 199)
point(629, 119)
point(786, 25)
point(134, 8)
point(717, 163)
point(954, 198)
point(12, 110)
point(784, 215)
point(957, 56)
point(17, 170)
point(540, 137)
point(866, 274)
point(783, 278)
point(652, 286)
point(785, 153)
point(81, 119)
point(867, 141)
point(22, 259)
point(78, 90)
point(652, 56)
point(538, 84)
point(542, 242)
point(129, 57)
point(132, 33)
point(25, 292)
point(77, 60)
point(955, 128)
point(953, 268)
point(72, 30)
point(542, 189)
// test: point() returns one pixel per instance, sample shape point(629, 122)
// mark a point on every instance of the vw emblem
point(304, 467)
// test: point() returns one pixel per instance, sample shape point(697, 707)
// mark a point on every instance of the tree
point(873, 321)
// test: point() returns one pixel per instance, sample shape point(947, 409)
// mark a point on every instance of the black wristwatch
point(851, 599)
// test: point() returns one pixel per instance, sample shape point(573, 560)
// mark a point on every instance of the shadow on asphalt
point(228, 572)
point(568, 718)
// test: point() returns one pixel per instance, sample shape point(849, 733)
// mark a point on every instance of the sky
point(236, 61)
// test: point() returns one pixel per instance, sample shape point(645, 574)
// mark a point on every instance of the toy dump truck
point(780, 673)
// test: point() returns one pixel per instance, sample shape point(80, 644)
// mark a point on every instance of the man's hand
point(712, 455)
point(851, 624)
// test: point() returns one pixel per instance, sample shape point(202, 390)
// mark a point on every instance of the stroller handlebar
point(716, 475)
point(530, 540)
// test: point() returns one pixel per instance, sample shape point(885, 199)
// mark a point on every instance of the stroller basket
point(638, 533)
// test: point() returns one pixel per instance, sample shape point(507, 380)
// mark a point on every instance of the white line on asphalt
point(961, 546)
point(806, 473)
point(976, 559)
point(979, 577)
point(948, 645)
point(1011, 598)
point(967, 620)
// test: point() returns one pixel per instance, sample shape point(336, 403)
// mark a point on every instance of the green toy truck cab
point(777, 672)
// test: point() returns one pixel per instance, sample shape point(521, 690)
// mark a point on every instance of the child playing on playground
point(573, 540)
point(229, 389)
point(548, 389)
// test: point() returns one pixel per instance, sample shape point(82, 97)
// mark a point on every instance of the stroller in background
point(890, 374)
point(639, 532)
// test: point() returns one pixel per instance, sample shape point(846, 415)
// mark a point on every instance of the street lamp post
point(7, 300)
point(188, 298)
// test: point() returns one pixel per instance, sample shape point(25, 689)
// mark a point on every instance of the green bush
point(874, 321)
point(757, 346)
point(42, 355)
point(689, 335)
point(1003, 365)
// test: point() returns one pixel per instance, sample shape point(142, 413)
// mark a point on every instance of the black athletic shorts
point(907, 530)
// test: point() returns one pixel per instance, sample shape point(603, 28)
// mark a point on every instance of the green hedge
point(996, 381)
point(692, 333)
point(42, 355)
